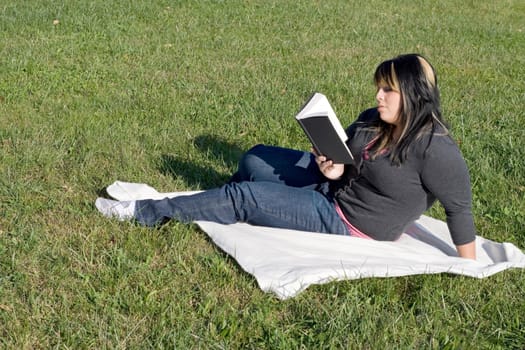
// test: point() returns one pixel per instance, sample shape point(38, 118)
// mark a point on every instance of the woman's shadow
point(201, 176)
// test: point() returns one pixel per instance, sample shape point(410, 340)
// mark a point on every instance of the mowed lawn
point(170, 93)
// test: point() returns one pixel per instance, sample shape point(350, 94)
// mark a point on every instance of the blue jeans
point(275, 187)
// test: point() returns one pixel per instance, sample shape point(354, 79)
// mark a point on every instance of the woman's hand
point(330, 170)
point(467, 251)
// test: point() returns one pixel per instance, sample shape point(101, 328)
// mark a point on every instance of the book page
point(318, 106)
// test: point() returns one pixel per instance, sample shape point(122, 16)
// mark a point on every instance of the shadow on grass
point(197, 175)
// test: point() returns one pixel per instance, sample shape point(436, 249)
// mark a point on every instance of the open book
point(324, 130)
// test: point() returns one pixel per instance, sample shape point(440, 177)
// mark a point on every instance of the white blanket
point(286, 262)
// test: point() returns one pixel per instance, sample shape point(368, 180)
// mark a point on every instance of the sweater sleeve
point(446, 176)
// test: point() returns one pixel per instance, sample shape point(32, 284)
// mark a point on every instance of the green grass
point(170, 93)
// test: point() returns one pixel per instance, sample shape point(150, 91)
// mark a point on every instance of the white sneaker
point(127, 191)
point(122, 211)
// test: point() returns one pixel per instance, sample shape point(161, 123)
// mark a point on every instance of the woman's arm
point(445, 175)
point(467, 251)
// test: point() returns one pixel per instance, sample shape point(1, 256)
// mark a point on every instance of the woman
point(405, 161)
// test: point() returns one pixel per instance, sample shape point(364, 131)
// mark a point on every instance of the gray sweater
point(381, 199)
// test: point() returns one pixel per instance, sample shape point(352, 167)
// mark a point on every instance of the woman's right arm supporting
point(445, 175)
point(467, 251)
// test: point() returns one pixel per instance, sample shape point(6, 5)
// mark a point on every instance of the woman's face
point(388, 104)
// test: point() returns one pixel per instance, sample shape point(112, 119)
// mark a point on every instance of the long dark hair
point(420, 113)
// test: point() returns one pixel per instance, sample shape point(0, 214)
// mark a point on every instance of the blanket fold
point(286, 262)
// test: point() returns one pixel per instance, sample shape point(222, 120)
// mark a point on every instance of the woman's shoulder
point(369, 116)
point(439, 145)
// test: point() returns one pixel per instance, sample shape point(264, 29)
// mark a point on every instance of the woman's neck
point(396, 134)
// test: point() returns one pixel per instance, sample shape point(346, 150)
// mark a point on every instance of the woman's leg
point(281, 165)
point(258, 203)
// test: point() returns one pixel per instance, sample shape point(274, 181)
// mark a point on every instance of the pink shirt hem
point(351, 228)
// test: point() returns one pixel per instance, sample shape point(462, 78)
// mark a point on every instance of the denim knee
point(250, 162)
